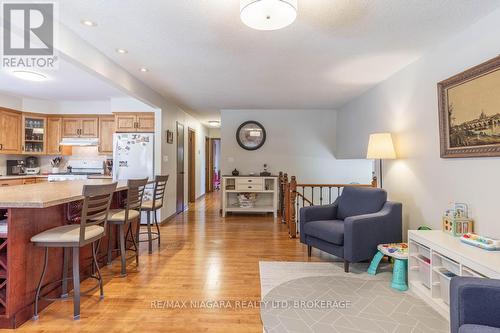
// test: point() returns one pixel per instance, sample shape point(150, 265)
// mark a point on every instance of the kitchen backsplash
point(79, 153)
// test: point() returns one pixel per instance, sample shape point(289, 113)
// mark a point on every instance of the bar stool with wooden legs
point(123, 218)
point(152, 206)
point(92, 227)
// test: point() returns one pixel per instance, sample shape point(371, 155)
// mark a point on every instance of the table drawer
point(256, 181)
point(249, 187)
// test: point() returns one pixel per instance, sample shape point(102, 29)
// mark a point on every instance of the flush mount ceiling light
point(143, 69)
point(214, 123)
point(29, 76)
point(121, 51)
point(268, 14)
point(88, 23)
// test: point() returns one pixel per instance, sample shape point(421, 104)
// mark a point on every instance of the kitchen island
point(32, 209)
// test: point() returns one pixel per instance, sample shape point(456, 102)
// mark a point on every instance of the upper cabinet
point(106, 130)
point(135, 122)
point(80, 127)
point(54, 135)
point(10, 132)
point(34, 134)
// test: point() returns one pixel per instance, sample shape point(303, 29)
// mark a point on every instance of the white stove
point(79, 170)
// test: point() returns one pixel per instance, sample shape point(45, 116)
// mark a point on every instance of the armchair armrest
point(474, 301)
point(318, 213)
point(363, 233)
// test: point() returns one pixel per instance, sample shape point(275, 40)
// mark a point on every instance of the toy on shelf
point(482, 242)
point(456, 221)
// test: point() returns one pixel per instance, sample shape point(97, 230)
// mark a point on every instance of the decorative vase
point(55, 169)
point(236, 172)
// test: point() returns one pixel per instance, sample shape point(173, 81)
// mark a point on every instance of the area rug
point(320, 297)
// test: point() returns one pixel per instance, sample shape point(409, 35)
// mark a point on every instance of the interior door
point(180, 168)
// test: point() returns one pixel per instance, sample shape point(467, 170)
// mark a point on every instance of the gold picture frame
point(469, 112)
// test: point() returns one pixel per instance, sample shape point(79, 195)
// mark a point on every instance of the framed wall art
point(469, 112)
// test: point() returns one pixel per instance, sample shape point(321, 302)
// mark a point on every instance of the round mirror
point(251, 135)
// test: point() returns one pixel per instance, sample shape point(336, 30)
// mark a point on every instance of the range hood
point(79, 142)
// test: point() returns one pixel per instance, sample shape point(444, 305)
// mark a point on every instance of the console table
point(435, 256)
point(266, 188)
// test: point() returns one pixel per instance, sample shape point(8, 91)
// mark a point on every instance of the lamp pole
point(380, 171)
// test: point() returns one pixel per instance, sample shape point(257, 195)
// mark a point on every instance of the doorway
point(179, 207)
point(208, 154)
point(212, 164)
point(191, 165)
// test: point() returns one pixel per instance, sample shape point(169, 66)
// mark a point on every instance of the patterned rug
point(339, 302)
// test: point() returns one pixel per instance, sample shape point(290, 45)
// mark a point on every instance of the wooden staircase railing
point(294, 196)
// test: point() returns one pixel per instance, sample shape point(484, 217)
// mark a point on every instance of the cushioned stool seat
point(118, 215)
point(67, 234)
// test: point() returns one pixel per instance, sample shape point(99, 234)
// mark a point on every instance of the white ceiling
point(200, 54)
point(68, 82)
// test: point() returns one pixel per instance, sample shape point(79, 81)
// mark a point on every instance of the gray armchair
point(474, 305)
point(353, 226)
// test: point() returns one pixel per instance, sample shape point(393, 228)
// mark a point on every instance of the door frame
point(191, 165)
point(212, 159)
point(179, 208)
point(208, 181)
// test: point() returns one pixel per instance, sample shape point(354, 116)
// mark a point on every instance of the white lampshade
point(268, 14)
point(380, 146)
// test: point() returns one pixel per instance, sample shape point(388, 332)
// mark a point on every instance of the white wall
point(299, 142)
point(406, 104)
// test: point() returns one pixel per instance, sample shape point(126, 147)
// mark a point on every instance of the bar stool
point(91, 229)
point(152, 206)
point(123, 218)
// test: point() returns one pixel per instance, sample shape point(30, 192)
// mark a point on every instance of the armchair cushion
point(360, 201)
point(331, 231)
point(469, 328)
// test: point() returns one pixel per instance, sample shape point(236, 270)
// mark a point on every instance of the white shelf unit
point(433, 254)
point(265, 187)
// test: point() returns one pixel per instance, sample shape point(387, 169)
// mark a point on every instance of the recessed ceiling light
point(144, 69)
point(88, 23)
point(121, 51)
point(29, 76)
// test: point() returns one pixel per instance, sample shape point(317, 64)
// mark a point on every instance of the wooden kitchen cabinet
point(135, 122)
point(10, 131)
point(11, 182)
point(34, 134)
point(54, 135)
point(80, 127)
point(106, 131)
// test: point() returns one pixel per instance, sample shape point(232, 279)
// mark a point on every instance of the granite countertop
point(48, 194)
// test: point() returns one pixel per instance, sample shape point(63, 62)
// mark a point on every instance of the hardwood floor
point(202, 258)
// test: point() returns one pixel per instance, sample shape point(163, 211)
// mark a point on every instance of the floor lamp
point(381, 147)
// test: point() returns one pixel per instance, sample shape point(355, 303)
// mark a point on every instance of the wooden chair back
point(135, 195)
point(95, 207)
point(159, 191)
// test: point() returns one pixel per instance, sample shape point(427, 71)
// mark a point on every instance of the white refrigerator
point(133, 155)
